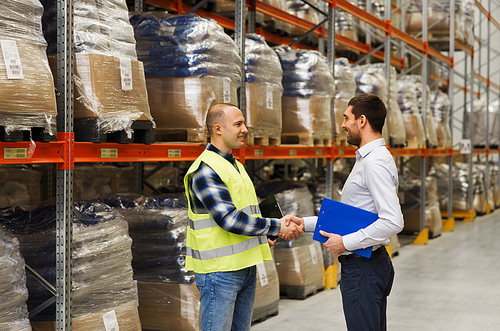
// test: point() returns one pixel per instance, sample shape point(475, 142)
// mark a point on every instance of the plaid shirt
point(210, 195)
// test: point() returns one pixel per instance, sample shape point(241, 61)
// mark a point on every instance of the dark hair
point(372, 107)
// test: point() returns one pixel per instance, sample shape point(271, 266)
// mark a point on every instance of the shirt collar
point(367, 148)
point(229, 157)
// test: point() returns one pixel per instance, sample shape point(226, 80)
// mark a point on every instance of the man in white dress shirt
point(372, 185)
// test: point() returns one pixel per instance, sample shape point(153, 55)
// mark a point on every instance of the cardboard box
point(267, 294)
point(126, 315)
point(306, 115)
point(263, 107)
point(172, 307)
point(183, 102)
point(415, 137)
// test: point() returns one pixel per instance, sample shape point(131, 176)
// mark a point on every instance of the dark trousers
point(365, 285)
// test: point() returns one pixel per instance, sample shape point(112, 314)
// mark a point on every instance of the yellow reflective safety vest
point(209, 248)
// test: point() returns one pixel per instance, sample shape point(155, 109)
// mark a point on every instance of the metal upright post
point(239, 38)
point(331, 63)
point(139, 6)
point(471, 125)
point(487, 143)
point(423, 161)
point(451, 94)
point(64, 184)
point(387, 62)
point(252, 17)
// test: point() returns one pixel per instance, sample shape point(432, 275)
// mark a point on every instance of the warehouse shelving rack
point(65, 151)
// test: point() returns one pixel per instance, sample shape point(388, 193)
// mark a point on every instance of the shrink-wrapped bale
point(263, 75)
point(377, 9)
point(345, 26)
point(345, 88)
point(27, 93)
point(93, 180)
point(267, 293)
point(168, 297)
point(411, 207)
point(101, 263)
point(308, 91)
point(491, 183)
point(304, 11)
point(440, 107)
point(479, 113)
point(20, 185)
point(190, 65)
point(14, 316)
point(370, 78)
point(468, 10)
point(438, 18)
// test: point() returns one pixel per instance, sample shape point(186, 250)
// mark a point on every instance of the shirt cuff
point(350, 242)
point(275, 227)
point(310, 223)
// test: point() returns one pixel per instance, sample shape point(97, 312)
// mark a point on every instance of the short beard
point(354, 140)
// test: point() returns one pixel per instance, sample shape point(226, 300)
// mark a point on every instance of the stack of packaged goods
point(345, 26)
point(20, 185)
point(168, 297)
point(27, 93)
point(468, 10)
point(479, 112)
point(438, 19)
point(491, 184)
point(440, 107)
point(377, 9)
point(370, 78)
point(411, 209)
point(111, 101)
point(345, 88)
point(190, 64)
point(102, 289)
point(91, 180)
point(13, 289)
point(263, 75)
point(273, 24)
point(299, 262)
point(304, 11)
point(307, 97)
point(460, 173)
point(410, 106)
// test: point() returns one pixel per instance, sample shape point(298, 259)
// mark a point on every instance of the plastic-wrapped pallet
point(101, 264)
point(299, 261)
point(479, 123)
point(411, 209)
point(370, 78)
point(345, 88)
point(168, 297)
point(491, 185)
point(267, 293)
point(263, 75)
point(20, 185)
point(308, 92)
point(440, 107)
point(190, 65)
point(468, 10)
point(438, 18)
point(345, 26)
point(14, 316)
point(93, 180)
point(377, 9)
point(304, 11)
point(27, 93)
point(110, 88)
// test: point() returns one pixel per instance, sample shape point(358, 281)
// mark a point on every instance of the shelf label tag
point(226, 89)
point(174, 153)
point(126, 74)
point(15, 153)
point(319, 152)
point(110, 321)
point(269, 97)
point(258, 152)
point(107, 153)
point(12, 59)
point(292, 152)
point(261, 271)
point(465, 146)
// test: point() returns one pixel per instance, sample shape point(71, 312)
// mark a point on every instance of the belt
point(343, 258)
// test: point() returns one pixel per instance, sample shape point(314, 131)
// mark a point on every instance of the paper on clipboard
point(339, 218)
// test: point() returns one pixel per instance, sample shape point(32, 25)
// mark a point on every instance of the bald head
point(217, 115)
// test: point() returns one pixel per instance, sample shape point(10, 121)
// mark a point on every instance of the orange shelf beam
point(25, 152)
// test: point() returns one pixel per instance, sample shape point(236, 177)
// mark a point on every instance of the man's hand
point(297, 220)
point(271, 242)
point(334, 244)
point(291, 231)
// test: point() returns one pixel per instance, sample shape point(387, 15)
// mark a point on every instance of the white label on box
point(12, 59)
point(226, 89)
point(126, 74)
point(314, 257)
point(465, 146)
point(110, 321)
point(269, 97)
point(261, 271)
point(136, 292)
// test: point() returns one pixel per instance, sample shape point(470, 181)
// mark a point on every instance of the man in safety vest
point(226, 234)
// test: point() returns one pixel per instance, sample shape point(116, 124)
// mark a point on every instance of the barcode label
point(261, 271)
point(269, 97)
point(110, 321)
point(126, 74)
point(12, 59)
point(314, 257)
point(226, 89)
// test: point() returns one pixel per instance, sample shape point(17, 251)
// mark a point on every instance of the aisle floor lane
point(450, 284)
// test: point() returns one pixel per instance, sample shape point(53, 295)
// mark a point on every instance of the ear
point(217, 128)
point(363, 121)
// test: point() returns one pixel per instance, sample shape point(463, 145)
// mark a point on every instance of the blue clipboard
point(339, 218)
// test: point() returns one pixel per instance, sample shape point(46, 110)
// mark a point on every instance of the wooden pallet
point(189, 135)
point(262, 138)
point(306, 139)
point(300, 292)
point(261, 314)
point(341, 142)
point(89, 130)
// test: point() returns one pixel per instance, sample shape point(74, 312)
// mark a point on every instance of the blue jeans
point(227, 299)
point(365, 285)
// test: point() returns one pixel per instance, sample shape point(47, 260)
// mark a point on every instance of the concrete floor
point(450, 284)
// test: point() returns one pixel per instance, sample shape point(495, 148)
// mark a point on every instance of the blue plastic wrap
point(262, 65)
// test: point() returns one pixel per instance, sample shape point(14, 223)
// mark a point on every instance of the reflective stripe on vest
point(210, 223)
point(226, 251)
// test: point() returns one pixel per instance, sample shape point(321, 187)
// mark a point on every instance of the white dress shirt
point(372, 185)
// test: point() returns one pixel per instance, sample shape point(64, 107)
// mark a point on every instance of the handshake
point(291, 227)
